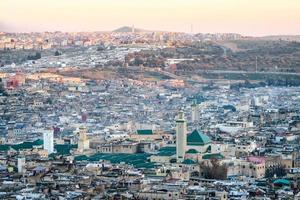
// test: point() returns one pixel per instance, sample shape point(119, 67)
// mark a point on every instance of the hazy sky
point(248, 17)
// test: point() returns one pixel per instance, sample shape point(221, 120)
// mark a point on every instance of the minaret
point(83, 143)
point(195, 112)
point(262, 118)
point(21, 164)
point(10, 133)
point(180, 137)
point(48, 137)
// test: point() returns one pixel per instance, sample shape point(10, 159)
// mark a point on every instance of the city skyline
point(253, 18)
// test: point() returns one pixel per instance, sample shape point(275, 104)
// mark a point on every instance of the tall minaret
point(83, 143)
point(195, 112)
point(48, 137)
point(180, 137)
point(10, 133)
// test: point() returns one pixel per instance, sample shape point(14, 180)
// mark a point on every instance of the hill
point(128, 29)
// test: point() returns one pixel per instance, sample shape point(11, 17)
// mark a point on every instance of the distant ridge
point(128, 29)
point(282, 37)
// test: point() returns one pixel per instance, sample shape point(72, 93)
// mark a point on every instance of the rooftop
point(145, 132)
point(196, 138)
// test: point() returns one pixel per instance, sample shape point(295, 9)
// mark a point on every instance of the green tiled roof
point(281, 182)
point(21, 146)
point(144, 132)
point(4, 147)
point(212, 155)
point(167, 151)
point(188, 162)
point(139, 160)
point(24, 145)
point(81, 158)
point(64, 149)
point(38, 142)
point(196, 138)
point(145, 165)
point(192, 151)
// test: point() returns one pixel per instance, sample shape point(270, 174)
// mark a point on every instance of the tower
point(83, 142)
point(48, 141)
point(10, 132)
point(195, 112)
point(180, 137)
point(21, 165)
point(262, 118)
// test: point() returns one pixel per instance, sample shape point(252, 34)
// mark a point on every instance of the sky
point(247, 17)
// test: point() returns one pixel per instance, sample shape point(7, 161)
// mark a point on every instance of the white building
point(48, 141)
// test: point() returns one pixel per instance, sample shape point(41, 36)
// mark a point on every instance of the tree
point(213, 169)
point(278, 170)
point(57, 53)
point(101, 47)
point(37, 56)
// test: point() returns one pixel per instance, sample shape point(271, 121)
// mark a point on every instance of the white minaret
point(195, 112)
point(21, 165)
point(48, 141)
point(83, 143)
point(181, 135)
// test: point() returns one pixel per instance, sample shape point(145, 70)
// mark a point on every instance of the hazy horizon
point(251, 18)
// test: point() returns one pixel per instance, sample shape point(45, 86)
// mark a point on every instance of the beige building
point(159, 194)
point(252, 167)
point(119, 147)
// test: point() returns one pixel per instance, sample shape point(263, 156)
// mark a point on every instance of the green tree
point(57, 53)
point(214, 170)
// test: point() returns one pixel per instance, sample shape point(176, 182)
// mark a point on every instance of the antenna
point(255, 64)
